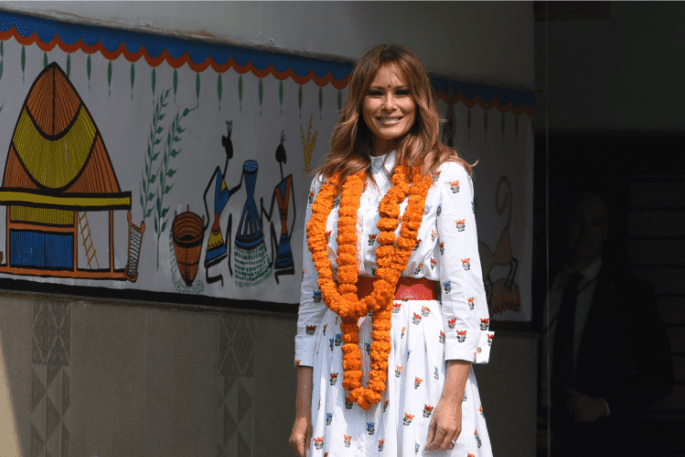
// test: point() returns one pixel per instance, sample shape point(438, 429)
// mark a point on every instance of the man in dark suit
point(610, 358)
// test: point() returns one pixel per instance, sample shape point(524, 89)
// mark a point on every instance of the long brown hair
point(352, 140)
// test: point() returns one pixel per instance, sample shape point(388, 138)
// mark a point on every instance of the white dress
point(424, 333)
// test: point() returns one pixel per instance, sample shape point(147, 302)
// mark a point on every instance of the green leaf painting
point(1, 65)
point(165, 172)
point(280, 93)
point(88, 67)
point(149, 178)
point(299, 98)
point(219, 87)
point(109, 74)
point(133, 75)
point(175, 82)
point(2, 49)
point(23, 59)
point(261, 91)
point(68, 65)
point(45, 59)
point(240, 88)
point(320, 100)
point(154, 80)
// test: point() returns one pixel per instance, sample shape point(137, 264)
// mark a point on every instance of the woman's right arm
point(309, 318)
point(301, 435)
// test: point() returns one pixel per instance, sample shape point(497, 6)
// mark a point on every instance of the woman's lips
point(389, 120)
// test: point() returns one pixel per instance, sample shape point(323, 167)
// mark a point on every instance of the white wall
point(489, 42)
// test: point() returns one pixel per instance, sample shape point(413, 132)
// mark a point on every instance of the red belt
point(407, 288)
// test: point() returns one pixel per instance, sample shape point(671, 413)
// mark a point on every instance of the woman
point(383, 353)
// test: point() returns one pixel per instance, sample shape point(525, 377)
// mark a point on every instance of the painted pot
point(188, 231)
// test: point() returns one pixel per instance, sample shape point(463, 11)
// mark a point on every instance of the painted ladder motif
point(87, 240)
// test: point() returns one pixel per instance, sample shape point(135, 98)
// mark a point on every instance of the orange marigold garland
point(341, 297)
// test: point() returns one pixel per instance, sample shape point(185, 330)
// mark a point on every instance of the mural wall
point(135, 162)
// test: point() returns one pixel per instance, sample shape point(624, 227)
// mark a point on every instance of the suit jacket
point(624, 357)
point(624, 354)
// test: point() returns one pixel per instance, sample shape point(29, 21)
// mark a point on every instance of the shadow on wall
point(14, 382)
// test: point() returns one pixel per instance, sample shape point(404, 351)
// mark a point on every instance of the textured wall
point(90, 379)
point(101, 380)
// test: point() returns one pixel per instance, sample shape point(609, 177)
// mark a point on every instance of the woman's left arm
point(464, 302)
point(445, 426)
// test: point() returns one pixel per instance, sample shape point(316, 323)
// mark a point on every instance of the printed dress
point(424, 333)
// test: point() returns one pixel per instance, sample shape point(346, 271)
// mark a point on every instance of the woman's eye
point(375, 93)
point(403, 92)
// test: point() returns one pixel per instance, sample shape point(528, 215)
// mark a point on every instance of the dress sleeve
point(312, 308)
point(464, 303)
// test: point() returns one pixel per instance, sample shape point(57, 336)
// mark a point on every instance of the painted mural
point(170, 166)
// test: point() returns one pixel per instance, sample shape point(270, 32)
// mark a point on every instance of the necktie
point(562, 368)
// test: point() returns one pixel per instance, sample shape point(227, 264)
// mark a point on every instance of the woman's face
point(388, 109)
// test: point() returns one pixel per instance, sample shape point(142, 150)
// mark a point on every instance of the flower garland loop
point(341, 296)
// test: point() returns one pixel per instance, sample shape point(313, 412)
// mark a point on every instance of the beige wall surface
point(115, 379)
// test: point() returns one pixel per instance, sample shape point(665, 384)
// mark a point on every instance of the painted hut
point(57, 170)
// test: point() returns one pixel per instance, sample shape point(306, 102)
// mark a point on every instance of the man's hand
point(584, 408)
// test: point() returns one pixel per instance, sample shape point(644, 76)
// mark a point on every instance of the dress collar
point(385, 161)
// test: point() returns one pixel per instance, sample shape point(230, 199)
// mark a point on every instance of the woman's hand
point(445, 426)
point(301, 435)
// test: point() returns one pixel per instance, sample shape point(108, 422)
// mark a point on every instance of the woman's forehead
point(390, 74)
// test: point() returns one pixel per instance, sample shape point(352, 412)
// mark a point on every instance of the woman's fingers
point(299, 444)
point(445, 428)
point(432, 428)
point(440, 438)
point(431, 433)
point(450, 437)
point(301, 436)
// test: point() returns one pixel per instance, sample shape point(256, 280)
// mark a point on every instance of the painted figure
point(252, 264)
point(216, 247)
point(283, 194)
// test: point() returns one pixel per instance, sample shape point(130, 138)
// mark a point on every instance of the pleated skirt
point(398, 424)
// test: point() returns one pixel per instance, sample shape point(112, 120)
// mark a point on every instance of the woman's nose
point(388, 102)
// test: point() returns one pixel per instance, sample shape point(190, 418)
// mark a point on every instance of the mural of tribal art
point(177, 170)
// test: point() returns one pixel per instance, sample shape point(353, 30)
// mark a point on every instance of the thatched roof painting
point(57, 154)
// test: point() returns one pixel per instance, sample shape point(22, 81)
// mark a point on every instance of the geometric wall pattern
point(235, 387)
point(50, 379)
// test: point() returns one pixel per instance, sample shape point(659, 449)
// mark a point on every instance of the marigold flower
point(341, 298)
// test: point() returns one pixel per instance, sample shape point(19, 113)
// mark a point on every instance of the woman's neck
point(382, 147)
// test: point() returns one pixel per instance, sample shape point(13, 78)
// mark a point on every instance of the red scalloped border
point(470, 103)
point(173, 62)
point(230, 63)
